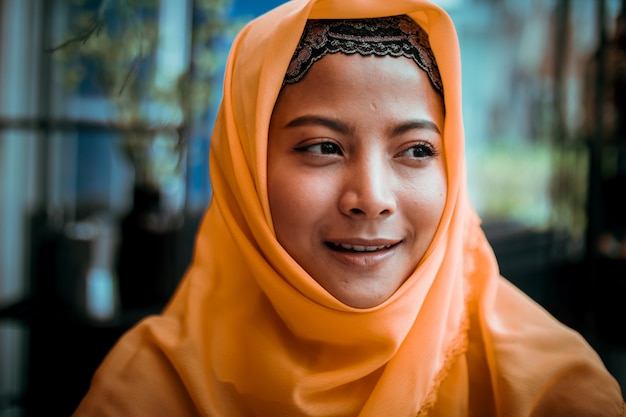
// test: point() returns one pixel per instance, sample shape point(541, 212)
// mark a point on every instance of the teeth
point(360, 248)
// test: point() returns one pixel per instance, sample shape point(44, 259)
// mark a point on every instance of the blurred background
point(106, 109)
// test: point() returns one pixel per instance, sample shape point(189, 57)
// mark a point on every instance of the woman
point(340, 269)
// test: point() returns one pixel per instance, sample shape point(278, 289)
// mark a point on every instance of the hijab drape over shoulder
point(250, 333)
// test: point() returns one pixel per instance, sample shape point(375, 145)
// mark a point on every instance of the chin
point(362, 301)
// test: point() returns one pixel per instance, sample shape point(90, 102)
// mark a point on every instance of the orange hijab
point(250, 333)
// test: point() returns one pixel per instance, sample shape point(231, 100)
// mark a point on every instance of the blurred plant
point(114, 54)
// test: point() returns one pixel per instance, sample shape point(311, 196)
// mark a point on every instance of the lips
point(363, 253)
point(358, 248)
point(361, 246)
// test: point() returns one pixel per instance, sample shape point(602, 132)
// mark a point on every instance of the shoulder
point(534, 365)
point(138, 376)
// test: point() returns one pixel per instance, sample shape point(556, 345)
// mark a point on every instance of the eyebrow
point(338, 126)
point(312, 120)
point(415, 125)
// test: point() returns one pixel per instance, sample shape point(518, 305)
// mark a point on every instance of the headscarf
point(250, 333)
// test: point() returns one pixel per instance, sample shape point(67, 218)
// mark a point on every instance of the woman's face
point(356, 173)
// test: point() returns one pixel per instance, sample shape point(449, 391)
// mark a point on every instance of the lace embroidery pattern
point(396, 36)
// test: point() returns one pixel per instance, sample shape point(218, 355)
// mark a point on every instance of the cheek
point(280, 204)
point(425, 201)
point(295, 201)
point(435, 198)
point(439, 188)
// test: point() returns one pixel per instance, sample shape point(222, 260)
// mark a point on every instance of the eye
point(321, 148)
point(419, 151)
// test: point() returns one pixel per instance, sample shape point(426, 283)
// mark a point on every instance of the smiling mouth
point(346, 247)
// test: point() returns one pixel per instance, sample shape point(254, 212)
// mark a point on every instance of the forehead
point(363, 73)
point(349, 86)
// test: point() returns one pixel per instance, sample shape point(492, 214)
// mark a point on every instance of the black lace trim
point(396, 36)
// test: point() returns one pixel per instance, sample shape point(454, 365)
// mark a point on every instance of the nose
point(368, 190)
